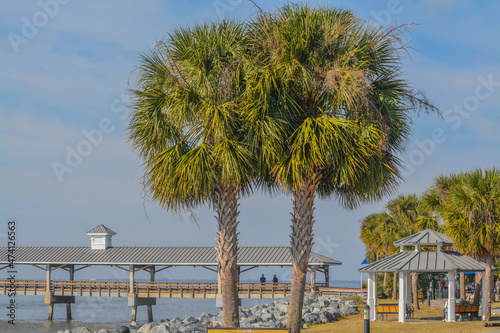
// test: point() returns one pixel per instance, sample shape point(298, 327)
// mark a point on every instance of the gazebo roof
point(425, 261)
point(428, 237)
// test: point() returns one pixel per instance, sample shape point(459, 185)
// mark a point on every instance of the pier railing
point(145, 289)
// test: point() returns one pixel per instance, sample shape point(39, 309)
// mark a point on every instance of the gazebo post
point(372, 296)
point(451, 296)
point(408, 289)
point(483, 295)
point(402, 297)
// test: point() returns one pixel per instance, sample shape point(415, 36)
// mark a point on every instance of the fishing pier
point(151, 260)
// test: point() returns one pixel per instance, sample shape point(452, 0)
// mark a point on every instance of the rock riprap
point(272, 315)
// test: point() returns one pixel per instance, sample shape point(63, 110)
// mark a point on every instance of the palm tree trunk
point(301, 245)
point(414, 287)
point(385, 281)
point(488, 280)
point(395, 287)
point(227, 250)
point(462, 285)
point(477, 290)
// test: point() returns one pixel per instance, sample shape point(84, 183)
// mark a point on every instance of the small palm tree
point(186, 126)
point(408, 214)
point(326, 114)
point(378, 234)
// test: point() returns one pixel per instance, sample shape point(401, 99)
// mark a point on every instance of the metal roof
point(425, 261)
point(101, 229)
point(167, 256)
point(428, 237)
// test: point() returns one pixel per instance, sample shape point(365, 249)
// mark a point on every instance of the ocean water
point(100, 312)
point(104, 312)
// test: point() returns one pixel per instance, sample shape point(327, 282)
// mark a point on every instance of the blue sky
point(65, 70)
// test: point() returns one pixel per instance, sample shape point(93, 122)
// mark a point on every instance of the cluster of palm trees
point(403, 216)
point(303, 101)
point(465, 206)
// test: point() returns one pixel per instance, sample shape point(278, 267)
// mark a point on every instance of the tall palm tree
point(186, 126)
point(327, 114)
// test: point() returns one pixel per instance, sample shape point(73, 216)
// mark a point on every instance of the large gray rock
point(308, 299)
point(162, 328)
point(267, 317)
point(144, 328)
point(311, 318)
point(190, 320)
point(282, 307)
point(81, 330)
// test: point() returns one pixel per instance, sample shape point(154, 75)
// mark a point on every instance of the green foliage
point(187, 121)
point(326, 98)
point(403, 216)
point(381, 293)
point(469, 204)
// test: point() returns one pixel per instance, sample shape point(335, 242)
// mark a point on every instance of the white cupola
point(100, 237)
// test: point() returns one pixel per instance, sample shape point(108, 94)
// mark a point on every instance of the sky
point(66, 165)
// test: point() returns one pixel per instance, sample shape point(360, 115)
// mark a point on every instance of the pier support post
point(51, 311)
point(313, 279)
point(218, 296)
point(135, 301)
point(150, 313)
point(48, 291)
point(150, 307)
point(134, 316)
point(327, 275)
point(68, 305)
point(68, 311)
point(131, 284)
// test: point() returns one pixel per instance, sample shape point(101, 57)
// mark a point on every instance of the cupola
point(100, 237)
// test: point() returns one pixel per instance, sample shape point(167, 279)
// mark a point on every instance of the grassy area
point(354, 323)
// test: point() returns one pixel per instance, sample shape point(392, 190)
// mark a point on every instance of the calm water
point(102, 312)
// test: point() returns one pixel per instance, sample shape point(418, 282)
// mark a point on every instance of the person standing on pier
point(262, 279)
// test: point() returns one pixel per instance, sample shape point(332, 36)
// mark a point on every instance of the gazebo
point(430, 261)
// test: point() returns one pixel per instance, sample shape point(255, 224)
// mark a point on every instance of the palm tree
point(403, 210)
point(474, 210)
point(372, 233)
point(469, 205)
point(186, 126)
point(327, 114)
point(378, 234)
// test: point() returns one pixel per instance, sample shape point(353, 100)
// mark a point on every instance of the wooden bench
point(472, 310)
point(387, 309)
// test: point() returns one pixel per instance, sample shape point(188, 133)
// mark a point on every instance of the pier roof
point(160, 256)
